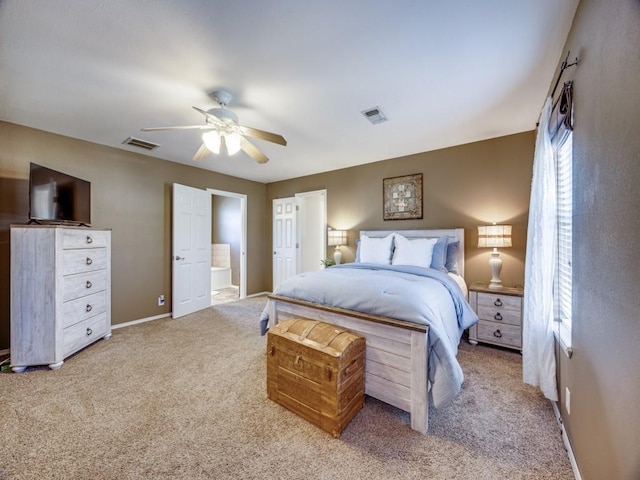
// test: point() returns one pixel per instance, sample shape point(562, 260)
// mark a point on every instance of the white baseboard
point(142, 320)
point(258, 294)
point(567, 443)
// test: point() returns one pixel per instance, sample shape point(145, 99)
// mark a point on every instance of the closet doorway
point(228, 246)
point(299, 234)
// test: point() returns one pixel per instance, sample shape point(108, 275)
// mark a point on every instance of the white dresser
point(60, 292)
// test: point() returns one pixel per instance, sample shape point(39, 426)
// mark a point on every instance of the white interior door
point(191, 278)
point(312, 229)
point(284, 239)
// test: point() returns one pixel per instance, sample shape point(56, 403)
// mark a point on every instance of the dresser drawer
point(84, 333)
point(493, 332)
point(81, 285)
point(83, 260)
point(80, 309)
point(72, 239)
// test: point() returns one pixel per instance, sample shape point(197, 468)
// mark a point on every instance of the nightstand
point(500, 315)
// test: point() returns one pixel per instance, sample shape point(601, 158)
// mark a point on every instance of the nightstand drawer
point(500, 315)
point(495, 300)
point(493, 332)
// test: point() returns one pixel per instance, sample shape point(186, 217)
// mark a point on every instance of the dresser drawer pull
point(89, 308)
point(89, 331)
point(497, 334)
point(497, 316)
point(88, 284)
point(498, 302)
point(89, 239)
point(89, 261)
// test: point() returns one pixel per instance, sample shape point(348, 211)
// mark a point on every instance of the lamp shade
point(232, 142)
point(336, 237)
point(212, 141)
point(497, 236)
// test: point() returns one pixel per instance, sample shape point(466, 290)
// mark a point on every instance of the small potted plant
point(327, 262)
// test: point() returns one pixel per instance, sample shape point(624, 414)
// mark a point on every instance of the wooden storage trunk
point(316, 370)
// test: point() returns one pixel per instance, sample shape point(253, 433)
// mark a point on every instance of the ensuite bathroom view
point(226, 231)
point(222, 288)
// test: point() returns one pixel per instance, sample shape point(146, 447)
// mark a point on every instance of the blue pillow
point(451, 263)
point(439, 255)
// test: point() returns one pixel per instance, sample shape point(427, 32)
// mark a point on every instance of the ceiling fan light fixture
point(212, 141)
point(232, 142)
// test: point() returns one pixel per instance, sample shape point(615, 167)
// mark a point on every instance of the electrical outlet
point(161, 300)
point(567, 400)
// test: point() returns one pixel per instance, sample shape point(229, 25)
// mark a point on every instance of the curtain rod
point(563, 67)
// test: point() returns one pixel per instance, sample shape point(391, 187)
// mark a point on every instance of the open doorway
point(228, 240)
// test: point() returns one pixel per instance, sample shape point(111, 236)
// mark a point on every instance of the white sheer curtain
point(538, 352)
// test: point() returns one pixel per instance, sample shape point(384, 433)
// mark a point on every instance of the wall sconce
point(336, 238)
point(494, 236)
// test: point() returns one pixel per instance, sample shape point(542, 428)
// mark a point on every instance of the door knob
point(178, 257)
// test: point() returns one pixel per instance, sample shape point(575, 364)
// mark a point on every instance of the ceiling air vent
point(374, 115)
point(136, 142)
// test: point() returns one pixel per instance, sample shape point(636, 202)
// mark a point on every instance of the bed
point(411, 342)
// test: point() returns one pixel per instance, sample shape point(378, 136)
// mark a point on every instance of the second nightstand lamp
point(496, 236)
point(336, 238)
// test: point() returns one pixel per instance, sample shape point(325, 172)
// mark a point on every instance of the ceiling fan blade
point(251, 150)
point(202, 152)
point(184, 127)
point(210, 117)
point(261, 134)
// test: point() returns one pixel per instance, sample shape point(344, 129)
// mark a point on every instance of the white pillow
point(416, 252)
point(376, 250)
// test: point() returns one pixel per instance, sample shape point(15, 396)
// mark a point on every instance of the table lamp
point(494, 236)
point(335, 239)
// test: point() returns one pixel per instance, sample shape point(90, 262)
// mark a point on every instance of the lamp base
point(495, 265)
point(337, 256)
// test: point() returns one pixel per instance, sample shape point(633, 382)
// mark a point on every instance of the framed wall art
point(402, 197)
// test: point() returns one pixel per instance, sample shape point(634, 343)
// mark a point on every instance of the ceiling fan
point(222, 127)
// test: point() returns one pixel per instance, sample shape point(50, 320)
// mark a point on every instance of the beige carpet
point(185, 399)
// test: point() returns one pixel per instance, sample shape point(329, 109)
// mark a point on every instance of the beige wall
point(603, 374)
point(131, 194)
point(463, 186)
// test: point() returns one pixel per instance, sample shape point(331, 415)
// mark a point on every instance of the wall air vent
point(374, 115)
point(136, 142)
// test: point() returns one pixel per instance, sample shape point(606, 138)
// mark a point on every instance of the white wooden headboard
point(456, 233)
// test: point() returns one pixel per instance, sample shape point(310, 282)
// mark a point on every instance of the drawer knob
point(89, 308)
point(498, 316)
point(498, 302)
point(89, 261)
point(497, 334)
point(89, 331)
point(88, 284)
point(89, 239)
point(272, 350)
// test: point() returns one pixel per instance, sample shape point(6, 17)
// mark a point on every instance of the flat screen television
point(55, 197)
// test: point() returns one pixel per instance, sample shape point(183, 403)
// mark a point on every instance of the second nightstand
point(500, 315)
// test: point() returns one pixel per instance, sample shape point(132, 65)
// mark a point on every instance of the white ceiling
point(444, 73)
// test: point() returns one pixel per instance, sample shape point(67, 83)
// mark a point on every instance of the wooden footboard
point(396, 354)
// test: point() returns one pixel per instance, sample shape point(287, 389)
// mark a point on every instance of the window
point(563, 271)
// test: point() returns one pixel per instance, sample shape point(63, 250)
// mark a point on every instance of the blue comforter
point(414, 294)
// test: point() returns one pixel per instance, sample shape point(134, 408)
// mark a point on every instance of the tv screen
point(56, 197)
